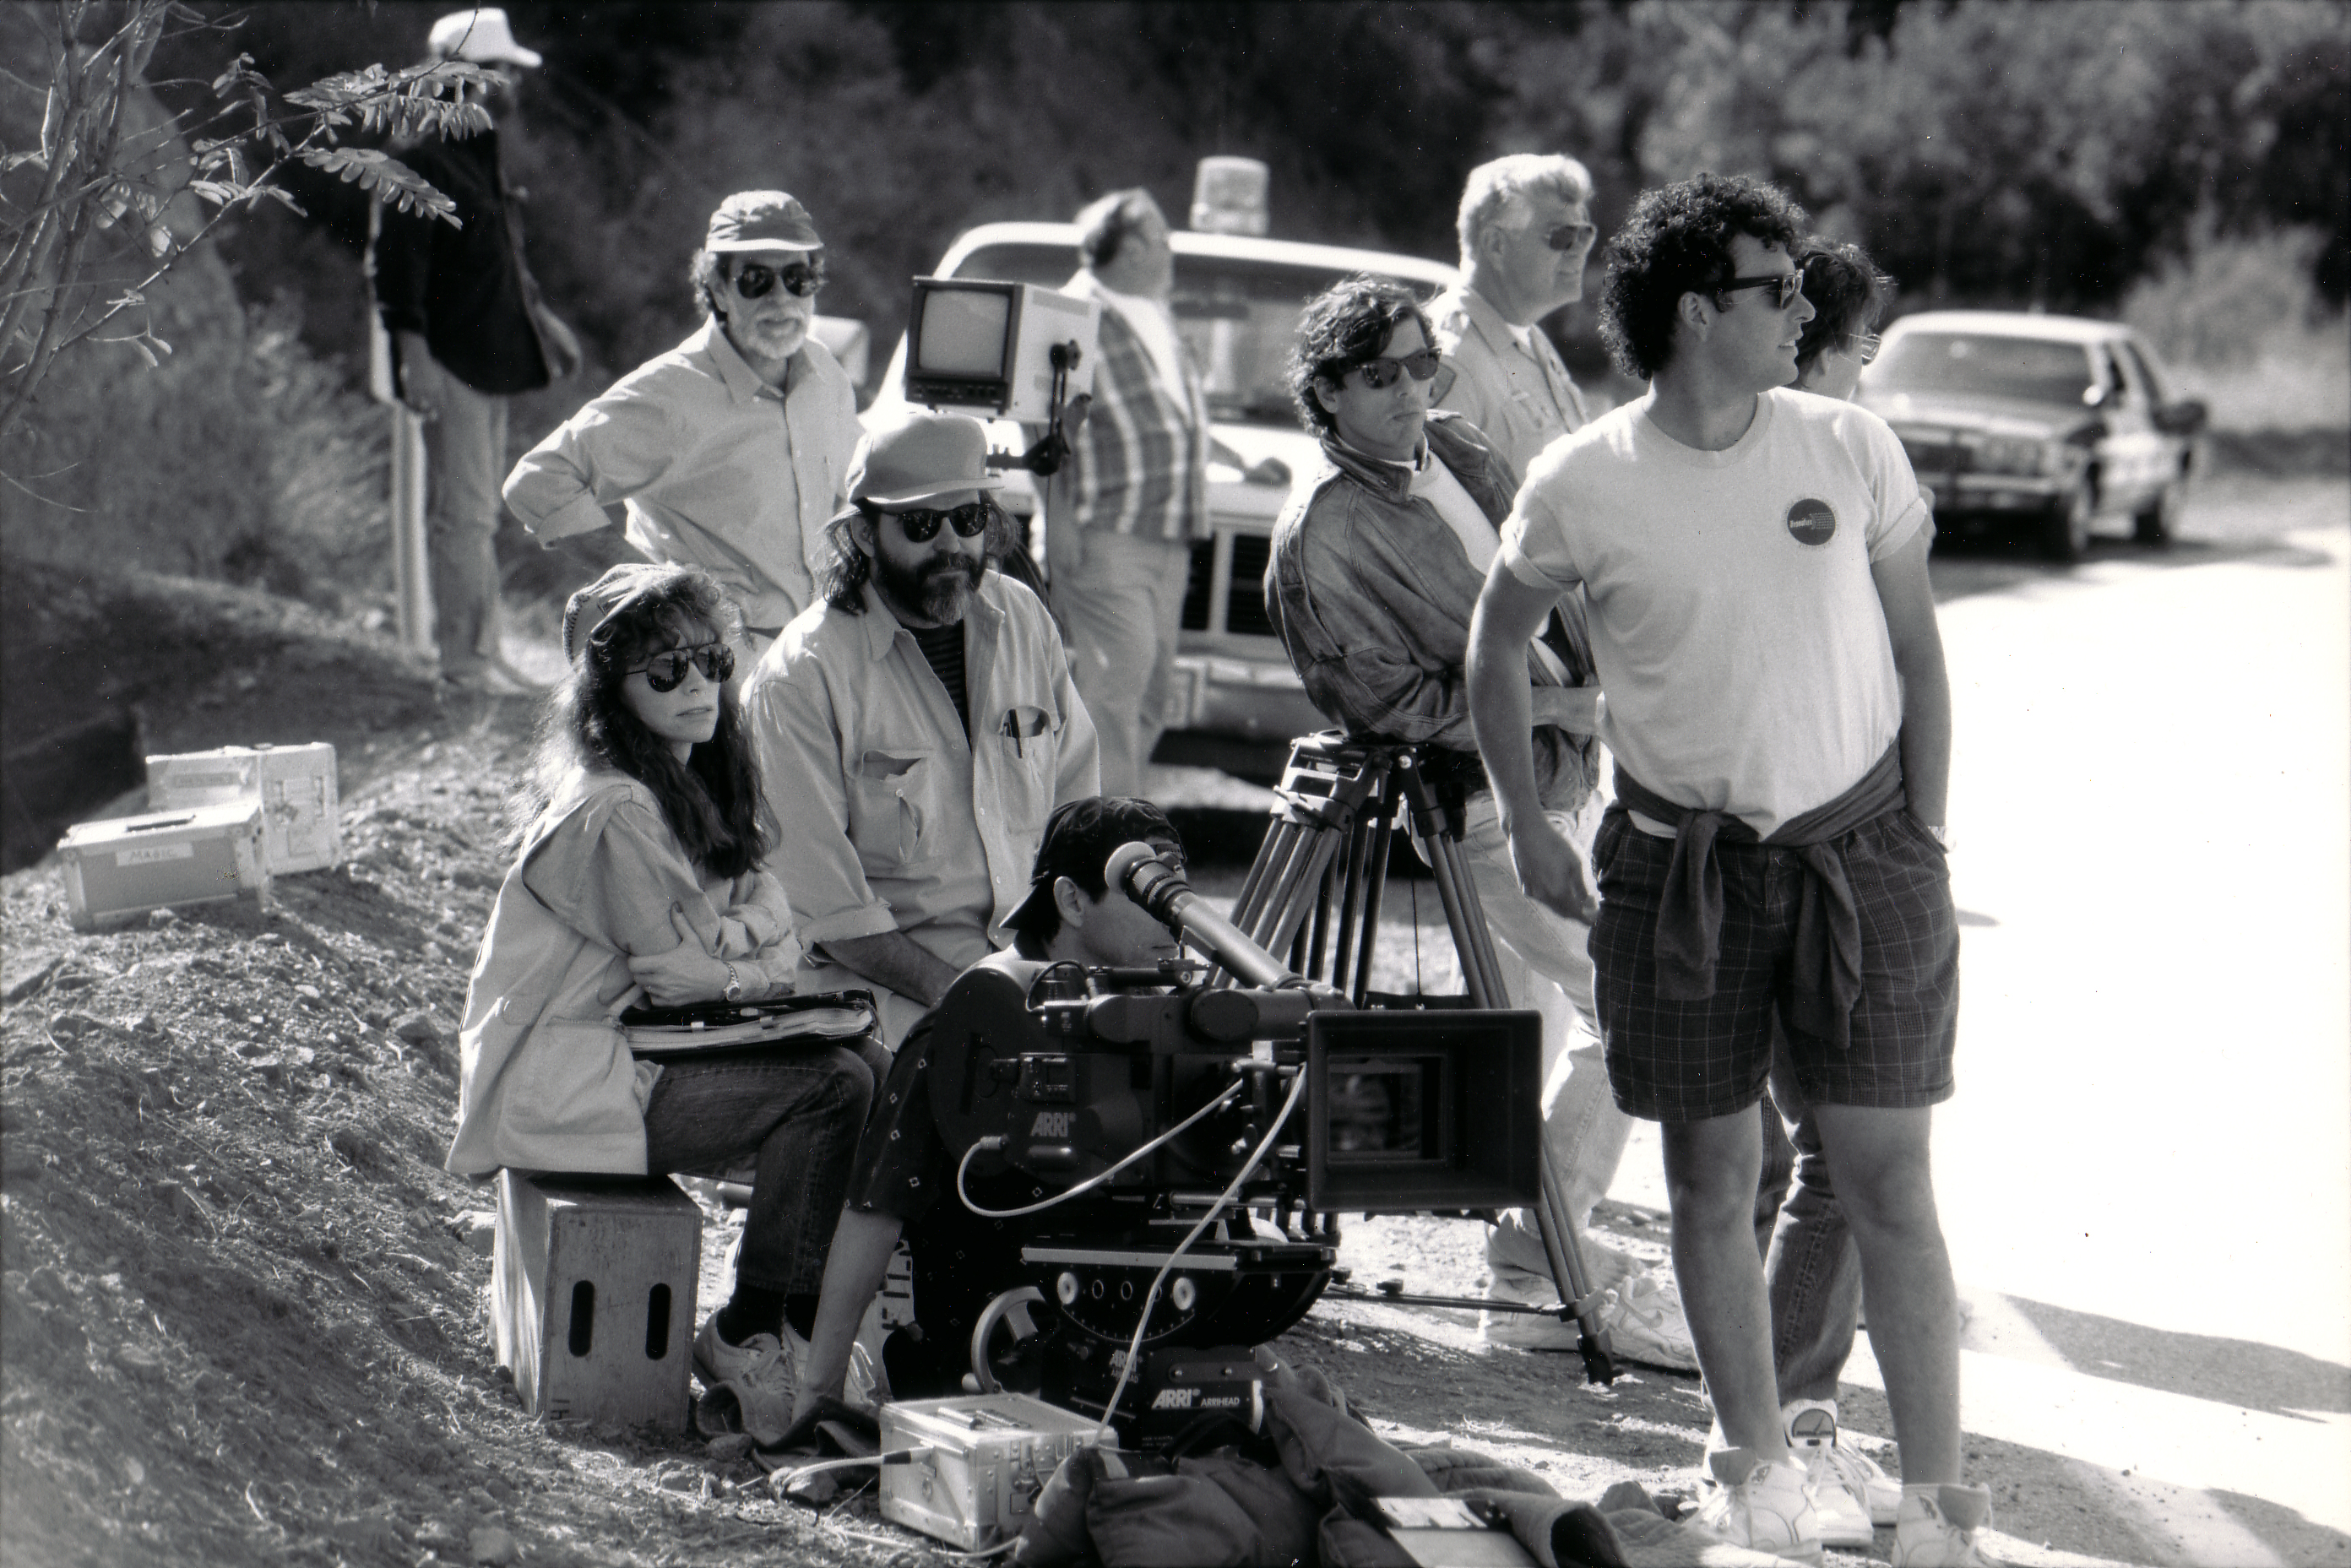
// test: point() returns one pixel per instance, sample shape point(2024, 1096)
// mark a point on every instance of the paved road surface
point(2146, 1176)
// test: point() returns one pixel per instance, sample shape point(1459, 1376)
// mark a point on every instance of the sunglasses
point(1571, 236)
point(969, 520)
point(1866, 346)
point(1383, 373)
point(801, 279)
point(1786, 286)
point(666, 672)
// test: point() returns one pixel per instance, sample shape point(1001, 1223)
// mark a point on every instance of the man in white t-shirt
point(1754, 564)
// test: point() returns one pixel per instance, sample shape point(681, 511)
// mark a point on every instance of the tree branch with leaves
point(90, 174)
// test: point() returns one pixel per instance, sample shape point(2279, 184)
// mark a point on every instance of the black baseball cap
point(1079, 840)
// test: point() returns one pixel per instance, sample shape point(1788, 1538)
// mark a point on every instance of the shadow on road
point(2236, 1372)
point(1960, 568)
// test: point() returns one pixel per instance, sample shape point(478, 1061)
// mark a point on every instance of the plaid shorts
point(1689, 1061)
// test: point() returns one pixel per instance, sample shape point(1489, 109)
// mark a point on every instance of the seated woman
point(637, 873)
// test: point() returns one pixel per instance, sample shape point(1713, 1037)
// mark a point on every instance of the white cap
point(481, 36)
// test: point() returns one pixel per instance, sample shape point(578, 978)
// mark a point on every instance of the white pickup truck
point(1236, 703)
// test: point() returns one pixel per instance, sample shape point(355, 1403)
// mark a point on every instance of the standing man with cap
point(1121, 515)
point(915, 726)
point(1526, 229)
point(468, 331)
point(730, 450)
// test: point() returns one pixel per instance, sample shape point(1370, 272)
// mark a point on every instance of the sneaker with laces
point(1644, 1319)
point(747, 1388)
point(1936, 1527)
point(1811, 1431)
point(1764, 1505)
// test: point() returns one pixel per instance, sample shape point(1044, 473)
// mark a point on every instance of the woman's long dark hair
point(712, 800)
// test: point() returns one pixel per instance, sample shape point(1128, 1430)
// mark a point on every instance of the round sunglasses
point(801, 279)
point(1383, 373)
point(666, 672)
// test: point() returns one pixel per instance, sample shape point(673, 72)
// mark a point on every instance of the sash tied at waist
point(1828, 927)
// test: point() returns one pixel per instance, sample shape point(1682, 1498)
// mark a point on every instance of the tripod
point(1340, 795)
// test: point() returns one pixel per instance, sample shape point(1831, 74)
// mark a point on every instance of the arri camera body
point(1128, 1112)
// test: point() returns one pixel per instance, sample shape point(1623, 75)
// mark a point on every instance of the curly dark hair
point(1848, 296)
point(1346, 324)
point(711, 801)
point(846, 568)
point(1676, 242)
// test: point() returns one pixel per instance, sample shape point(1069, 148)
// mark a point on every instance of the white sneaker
point(1644, 1319)
point(747, 1388)
point(1763, 1505)
point(1936, 1528)
point(1642, 1312)
point(1839, 1472)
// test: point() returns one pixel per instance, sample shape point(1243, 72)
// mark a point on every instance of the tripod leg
point(1561, 1244)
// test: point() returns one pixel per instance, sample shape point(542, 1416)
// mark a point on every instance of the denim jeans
point(1545, 965)
point(799, 1108)
point(1812, 1270)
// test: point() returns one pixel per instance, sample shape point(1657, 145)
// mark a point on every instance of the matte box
point(991, 1455)
point(294, 785)
point(120, 869)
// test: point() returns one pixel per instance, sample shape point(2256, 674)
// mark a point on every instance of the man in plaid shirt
point(1123, 513)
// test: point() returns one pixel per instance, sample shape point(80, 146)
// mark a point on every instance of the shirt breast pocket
point(891, 807)
point(1025, 756)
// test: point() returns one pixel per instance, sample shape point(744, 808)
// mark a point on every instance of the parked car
point(2054, 420)
point(1236, 703)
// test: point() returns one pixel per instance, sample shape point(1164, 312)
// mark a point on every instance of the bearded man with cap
point(915, 726)
point(730, 451)
point(468, 331)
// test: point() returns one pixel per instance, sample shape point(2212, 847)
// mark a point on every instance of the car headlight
point(2008, 455)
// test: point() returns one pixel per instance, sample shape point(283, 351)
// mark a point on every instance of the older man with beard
point(915, 727)
point(730, 450)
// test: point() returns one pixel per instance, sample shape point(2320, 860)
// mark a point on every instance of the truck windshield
point(2027, 370)
point(1236, 317)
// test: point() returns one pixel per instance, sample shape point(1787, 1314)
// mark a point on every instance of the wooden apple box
point(594, 1302)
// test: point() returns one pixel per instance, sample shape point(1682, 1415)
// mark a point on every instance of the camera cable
point(992, 1144)
point(1223, 1201)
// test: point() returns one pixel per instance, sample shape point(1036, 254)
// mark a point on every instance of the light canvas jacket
point(547, 1082)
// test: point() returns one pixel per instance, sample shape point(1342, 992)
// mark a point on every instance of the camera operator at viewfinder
point(1378, 559)
point(1071, 915)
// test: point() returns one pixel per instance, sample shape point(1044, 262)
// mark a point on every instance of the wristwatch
point(734, 992)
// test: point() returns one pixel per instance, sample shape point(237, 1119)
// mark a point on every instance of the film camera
point(1166, 1157)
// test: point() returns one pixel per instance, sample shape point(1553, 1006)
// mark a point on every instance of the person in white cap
point(731, 450)
point(468, 331)
point(916, 726)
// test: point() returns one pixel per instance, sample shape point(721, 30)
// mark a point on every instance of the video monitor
point(1413, 1110)
point(986, 347)
point(962, 332)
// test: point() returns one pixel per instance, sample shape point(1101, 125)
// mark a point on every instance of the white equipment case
point(123, 867)
point(991, 1455)
point(294, 785)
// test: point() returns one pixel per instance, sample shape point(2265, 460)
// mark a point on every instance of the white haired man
point(1526, 231)
point(731, 450)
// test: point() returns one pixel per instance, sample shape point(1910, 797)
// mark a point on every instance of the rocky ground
point(240, 1321)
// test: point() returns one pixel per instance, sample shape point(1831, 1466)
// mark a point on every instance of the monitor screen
point(963, 332)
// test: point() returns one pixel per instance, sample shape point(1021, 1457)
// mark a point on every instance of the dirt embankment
point(235, 1323)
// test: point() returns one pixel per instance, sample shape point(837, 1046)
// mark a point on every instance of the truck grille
point(1245, 606)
